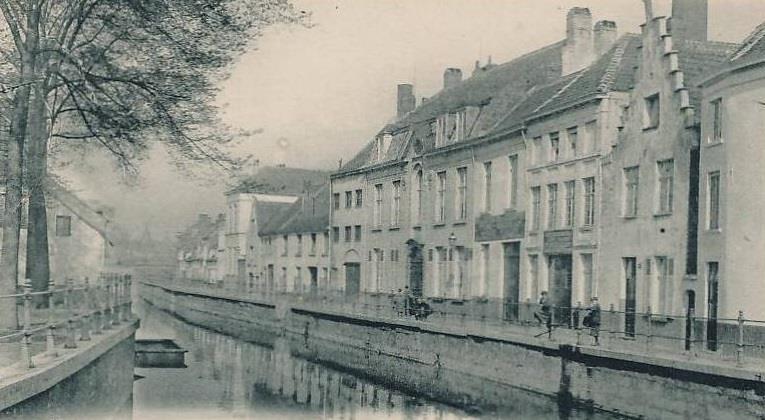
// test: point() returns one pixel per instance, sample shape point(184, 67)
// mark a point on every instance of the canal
point(229, 378)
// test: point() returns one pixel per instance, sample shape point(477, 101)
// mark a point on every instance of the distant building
point(255, 199)
point(199, 249)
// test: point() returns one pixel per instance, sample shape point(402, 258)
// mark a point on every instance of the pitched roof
point(309, 213)
point(697, 59)
point(751, 50)
point(269, 214)
point(94, 218)
point(280, 180)
point(204, 231)
point(614, 71)
point(493, 89)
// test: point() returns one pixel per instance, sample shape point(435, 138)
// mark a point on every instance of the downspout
point(330, 240)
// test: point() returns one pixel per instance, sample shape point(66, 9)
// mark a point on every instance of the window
point(283, 279)
point(631, 183)
point(534, 276)
point(573, 138)
point(443, 272)
point(460, 129)
point(441, 198)
point(299, 250)
point(378, 268)
point(298, 286)
point(713, 201)
point(587, 277)
point(348, 233)
point(313, 244)
point(348, 199)
point(717, 121)
point(461, 194)
point(63, 225)
point(661, 287)
point(378, 204)
point(285, 245)
point(651, 112)
point(359, 198)
point(395, 213)
point(590, 140)
point(568, 221)
point(487, 187)
point(485, 263)
point(325, 245)
point(554, 146)
point(357, 233)
point(335, 234)
point(536, 203)
point(418, 197)
point(336, 201)
point(589, 201)
point(536, 152)
point(441, 130)
point(666, 169)
point(512, 181)
point(552, 205)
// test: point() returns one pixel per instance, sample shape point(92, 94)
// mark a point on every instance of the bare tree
point(118, 74)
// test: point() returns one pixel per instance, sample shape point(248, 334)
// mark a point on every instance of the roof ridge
point(560, 91)
point(750, 41)
point(613, 66)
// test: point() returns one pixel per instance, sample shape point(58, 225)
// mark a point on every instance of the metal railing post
point(69, 342)
point(692, 330)
point(611, 324)
point(27, 305)
point(740, 341)
point(649, 333)
point(106, 318)
point(50, 340)
point(26, 352)
point(577, 323)
point(117, 302)
point(85, 325)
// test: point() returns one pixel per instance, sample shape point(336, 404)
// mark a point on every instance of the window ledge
point(377, 229)
point(650, 128)
point(459, 223)
point(717, 230)
point(629, 217)
point(533, 233)
point(663, 214)
point(439, 224)
point(417, 227)
point(714, 143)
point(585, 229)
point(395, 227)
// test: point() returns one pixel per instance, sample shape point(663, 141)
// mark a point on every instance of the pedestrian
point(592, 319)
point(543, 315)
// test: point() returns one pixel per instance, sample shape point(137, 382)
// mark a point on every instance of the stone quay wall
point(481, 369)
point(94, 381)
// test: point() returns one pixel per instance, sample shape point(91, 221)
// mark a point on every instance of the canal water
point(230, 378)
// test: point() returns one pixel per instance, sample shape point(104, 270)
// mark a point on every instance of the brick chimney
point(578, 52)
point(406, 100)
point(452, 77)
point(604, 36)
point(690, 19)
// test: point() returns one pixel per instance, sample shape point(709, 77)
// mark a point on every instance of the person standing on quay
point(592, 319)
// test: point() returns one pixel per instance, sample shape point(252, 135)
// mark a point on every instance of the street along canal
point(227, 377)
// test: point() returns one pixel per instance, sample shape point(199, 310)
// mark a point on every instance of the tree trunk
point(38, 264)
point(14, 164)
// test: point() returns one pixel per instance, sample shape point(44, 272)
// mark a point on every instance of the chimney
point(604, 36)
point(452, 77)
point(689, 20)
point(406, 100)
point(578, 52)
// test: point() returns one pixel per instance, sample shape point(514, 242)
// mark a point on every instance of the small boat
point(159, 353)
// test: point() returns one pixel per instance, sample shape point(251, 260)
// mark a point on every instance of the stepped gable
point(309, 213)
point(279, 180)
point(614, 71)
point(696, 58)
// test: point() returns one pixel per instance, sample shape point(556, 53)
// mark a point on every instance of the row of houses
point(623, 167)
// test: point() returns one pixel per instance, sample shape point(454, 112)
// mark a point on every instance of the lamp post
point(452, 241)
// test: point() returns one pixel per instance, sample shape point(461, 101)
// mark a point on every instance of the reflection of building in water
point(254, 380)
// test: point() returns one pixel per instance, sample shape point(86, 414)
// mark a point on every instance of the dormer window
point(441, 130)
point(460, 130)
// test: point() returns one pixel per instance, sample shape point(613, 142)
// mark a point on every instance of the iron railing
point(63, 315)
point(739, 341)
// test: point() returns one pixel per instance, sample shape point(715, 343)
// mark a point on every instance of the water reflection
point(229, 378)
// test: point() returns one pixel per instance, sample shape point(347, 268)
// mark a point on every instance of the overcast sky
point(320, 93)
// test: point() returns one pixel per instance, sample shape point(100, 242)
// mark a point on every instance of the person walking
point(592, 320)
point(543, 315)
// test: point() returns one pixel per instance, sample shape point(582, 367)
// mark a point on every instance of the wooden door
point(352, 279)
point(630, 299)
point(512, 255)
